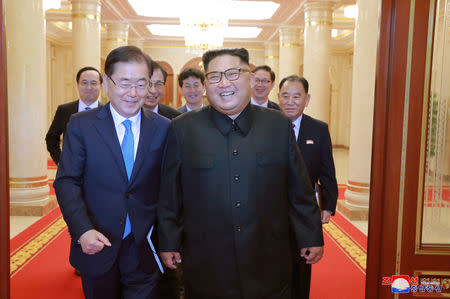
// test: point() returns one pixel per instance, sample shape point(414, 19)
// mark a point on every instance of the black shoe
point(77, 272)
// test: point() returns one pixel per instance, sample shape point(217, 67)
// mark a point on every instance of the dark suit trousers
point(301, 280)
point(125, 279)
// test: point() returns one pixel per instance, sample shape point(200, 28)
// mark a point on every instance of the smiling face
point(293, 99)
point(89, 86)
point(127, 102)
point(262, 86)
point(156, 91)
point(192, 91)
point(229, 97)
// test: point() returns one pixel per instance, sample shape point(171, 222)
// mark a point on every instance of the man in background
point(314, 142)
point(156, 93)
point(191, 84)
point(264, 80)
point(89, 84)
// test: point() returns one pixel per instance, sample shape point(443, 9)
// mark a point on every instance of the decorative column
point(318, 21)
point(116, 36)
point(86, 39)
point(290, 51)
point(27, 108)
point(272, 58)
point(363, 86)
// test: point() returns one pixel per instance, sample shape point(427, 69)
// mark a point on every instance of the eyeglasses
point(87, 83)
point(231, 75)
point(262, 81)
point(126, 86)
point(157, 84)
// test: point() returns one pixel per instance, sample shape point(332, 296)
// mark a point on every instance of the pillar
point(86, 39)
point(318, 22)
point(272, 58)
point(116, 36)
point(290, 51)
point(27, 108)
point(363, 86)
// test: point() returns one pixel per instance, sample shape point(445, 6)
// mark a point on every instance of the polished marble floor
point(20, 223)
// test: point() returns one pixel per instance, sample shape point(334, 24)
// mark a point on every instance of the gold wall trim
point(358, 184)
point(86, 16)
point(27, 185)
point(26, 253)
point(404, 137)
point(271, 57)
point(423, 134)
point(121, 40)
point(32, 179)
point(358, 190)
point(316, 23)
point(290, 45)
point(61, 43)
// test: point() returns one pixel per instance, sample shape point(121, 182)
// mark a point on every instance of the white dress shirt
point(82, 106)
point(189, 109)
point(297, 123)
point(252, 101)
point(120, 128)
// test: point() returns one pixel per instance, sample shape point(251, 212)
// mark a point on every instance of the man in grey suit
point(191, 85)
point(235, 186)
point(264, 80)
point(89, 84)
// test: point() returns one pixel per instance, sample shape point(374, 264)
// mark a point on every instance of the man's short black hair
point(127, 54)
point(295, 78)
point(191, 72)
point(157, 66)
point(265, 68)
point(88, 68)
point(242, 53)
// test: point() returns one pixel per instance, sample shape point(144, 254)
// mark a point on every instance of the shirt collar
point(82, 105)
point(298, 121)
point(224, 123)
point(118, 119)
point(189, 109)
point(265, 104)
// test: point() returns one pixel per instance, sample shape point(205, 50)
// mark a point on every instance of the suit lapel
point(106, 129)
point(301, 134)
point(145, 139)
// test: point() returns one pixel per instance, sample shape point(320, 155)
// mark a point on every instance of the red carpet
point(40, 267)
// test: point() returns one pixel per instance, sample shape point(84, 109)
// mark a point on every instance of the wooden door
point(401, 129)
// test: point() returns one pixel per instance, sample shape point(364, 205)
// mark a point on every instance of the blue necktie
point(127, 147)
point(87, 108)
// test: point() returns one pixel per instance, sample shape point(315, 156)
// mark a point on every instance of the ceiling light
point(334, 32)
point(51, 4)
point(229, 32)
point(238, 10)
point(351, 11)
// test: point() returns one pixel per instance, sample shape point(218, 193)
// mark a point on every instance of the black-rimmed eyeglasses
point(231, 75)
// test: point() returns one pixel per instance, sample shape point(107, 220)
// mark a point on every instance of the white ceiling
point(289, 14)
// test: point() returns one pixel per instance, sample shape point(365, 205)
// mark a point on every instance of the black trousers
point(125, 279)
point(301, 280)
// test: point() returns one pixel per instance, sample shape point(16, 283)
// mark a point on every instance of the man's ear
point(308, 97)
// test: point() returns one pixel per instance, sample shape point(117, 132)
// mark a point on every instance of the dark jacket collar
point(224, 123)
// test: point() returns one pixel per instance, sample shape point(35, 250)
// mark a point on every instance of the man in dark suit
point(264, 80)
point(191, 82)
point(168, 286)
point(234, 187)
point(314, 142)
point(156, 93)
point(108, 180)
point(89, 84)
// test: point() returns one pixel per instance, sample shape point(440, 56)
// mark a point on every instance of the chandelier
point(204, 24)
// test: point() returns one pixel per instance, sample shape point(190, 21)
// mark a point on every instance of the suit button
point(238, 203)
point(235, 152)
point(238, 228)
point(236, 177)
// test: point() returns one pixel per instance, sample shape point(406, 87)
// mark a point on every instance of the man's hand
point(312, 254)
point(325, 216)
point(93, 241)
point(170, 259)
